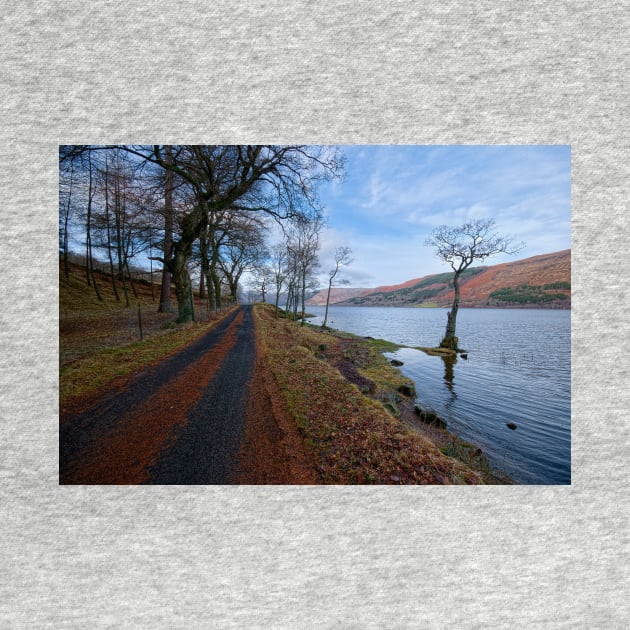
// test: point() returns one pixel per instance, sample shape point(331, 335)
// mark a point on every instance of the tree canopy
point(217, 190)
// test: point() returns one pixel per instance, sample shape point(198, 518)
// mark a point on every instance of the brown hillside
point(397, 287)
point(523, 283)
point(338, 294)
point(536, 271)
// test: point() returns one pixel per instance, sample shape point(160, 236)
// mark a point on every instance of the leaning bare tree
point(342, 257)
point(460, 247)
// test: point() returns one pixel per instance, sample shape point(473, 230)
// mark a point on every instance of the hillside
point(542, 281)
point(338, 294)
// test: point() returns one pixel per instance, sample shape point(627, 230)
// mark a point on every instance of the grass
point(343, 394)
point(90, 373)
point(351, 437)
point(99, 339)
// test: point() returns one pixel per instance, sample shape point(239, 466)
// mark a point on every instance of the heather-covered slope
point(542, 281)
point(337, 294)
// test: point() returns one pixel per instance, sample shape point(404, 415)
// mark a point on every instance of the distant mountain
point(337, 294)
point(540, 281)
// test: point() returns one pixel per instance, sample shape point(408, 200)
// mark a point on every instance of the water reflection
point(449, 379)
point(449, 373)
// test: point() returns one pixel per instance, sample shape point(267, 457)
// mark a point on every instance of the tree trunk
point(165, 290)
point(151, 263)
point(90, 260)
point(183, 289)
point(277, 301)
point(303, 295)
point(327, 302)
point(66, 218)
point(296, 298)
point(131, 283)
point(450, 340)
point(216, 283)
point(109, 235)
point(205, 265)
point(233, 284)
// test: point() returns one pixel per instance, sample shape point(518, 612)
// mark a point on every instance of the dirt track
point(208, 414)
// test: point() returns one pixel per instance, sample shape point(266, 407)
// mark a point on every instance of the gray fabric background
point(325, 72)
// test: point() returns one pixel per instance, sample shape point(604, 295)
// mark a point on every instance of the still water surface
point(518, 370)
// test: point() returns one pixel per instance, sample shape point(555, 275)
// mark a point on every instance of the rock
point(395, 478)
point(396, 362)
point(511, 425)
point(392, 408)
point(437, 421)
point(463, 355)
point(407, 390)
point(429, 417)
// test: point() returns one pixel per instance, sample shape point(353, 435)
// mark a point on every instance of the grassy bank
point(88, 374)
point(98, 339)
point(355, 410)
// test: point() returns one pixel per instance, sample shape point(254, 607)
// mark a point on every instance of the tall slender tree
point(279, 260)
point(342, 258)
point(165, 287)
point(89, 268)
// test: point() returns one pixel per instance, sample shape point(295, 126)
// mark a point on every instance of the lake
point(518, 371)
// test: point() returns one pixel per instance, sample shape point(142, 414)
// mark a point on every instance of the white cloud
point(394, 196)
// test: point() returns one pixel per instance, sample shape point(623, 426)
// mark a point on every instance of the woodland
point(202, 214)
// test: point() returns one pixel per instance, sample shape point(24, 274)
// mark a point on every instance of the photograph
point(315, 314)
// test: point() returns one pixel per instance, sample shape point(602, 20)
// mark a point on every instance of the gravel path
point(180, 422)
point(206, 448)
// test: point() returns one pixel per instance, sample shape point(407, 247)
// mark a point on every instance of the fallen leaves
point(351, 437)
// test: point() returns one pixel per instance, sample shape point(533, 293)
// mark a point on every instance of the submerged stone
point(429, 417)
point(407, 390)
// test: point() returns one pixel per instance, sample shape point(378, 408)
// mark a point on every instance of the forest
point(198, 214)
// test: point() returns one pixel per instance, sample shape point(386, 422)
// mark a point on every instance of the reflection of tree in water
point(449, 379)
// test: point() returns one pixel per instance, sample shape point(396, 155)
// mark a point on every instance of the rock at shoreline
point(407, 390)
point(429, 417)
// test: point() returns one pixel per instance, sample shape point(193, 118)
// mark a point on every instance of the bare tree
point(243, 250)
point(342, 258)
point(122, 220)
point(66, 183)
point(209, 181)
point(278, 180)
point(108, 230)
point(89, 270)
point(460, 247)
point(280, 272)
point(165, 287)
point(303, 249)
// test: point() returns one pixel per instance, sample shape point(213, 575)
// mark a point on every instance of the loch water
point(518, 372)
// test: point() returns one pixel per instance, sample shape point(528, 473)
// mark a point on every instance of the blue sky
point(393, 196)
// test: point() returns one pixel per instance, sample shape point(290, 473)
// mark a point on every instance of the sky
point(392, 197)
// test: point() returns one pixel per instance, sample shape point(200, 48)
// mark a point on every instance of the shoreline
point(448, 306)
point(383, 389)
